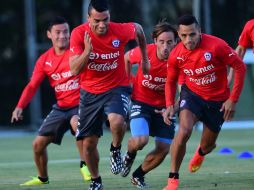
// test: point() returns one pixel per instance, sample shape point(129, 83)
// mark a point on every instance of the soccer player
point(54, 64)
point(148, 96)
point(97, 53)
point(205, 96)
point(245, 41)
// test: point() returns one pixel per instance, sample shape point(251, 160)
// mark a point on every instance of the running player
point(97, 53)
point(148, 95)
point(54, 64)
point(205, 96)
point(245, 41)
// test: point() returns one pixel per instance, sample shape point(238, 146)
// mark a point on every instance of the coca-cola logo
point(102, 66)
point(208, 79)
point(148, 84)
point(69, 85)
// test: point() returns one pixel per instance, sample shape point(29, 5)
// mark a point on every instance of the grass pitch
point(218, 172)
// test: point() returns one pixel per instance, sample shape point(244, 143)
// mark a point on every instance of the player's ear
point(155, 40)
point(48, 34)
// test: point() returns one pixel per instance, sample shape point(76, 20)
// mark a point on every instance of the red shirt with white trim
point(57, 69)
point(105, 68)
point(246, 38)
point(205, 70)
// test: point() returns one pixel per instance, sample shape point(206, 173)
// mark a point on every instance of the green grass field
point(220, 172)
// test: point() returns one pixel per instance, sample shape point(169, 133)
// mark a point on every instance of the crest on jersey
point(208, 56)
point(183, 102)
point(116, 43)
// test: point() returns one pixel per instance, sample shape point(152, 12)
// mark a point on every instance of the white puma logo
point(72, 49)
point(231, 54)
point(48, 63)
point(180, 58)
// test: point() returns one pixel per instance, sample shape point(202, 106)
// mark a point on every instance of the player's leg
point(51, 131)
point(83, 168)
point(190, 111)
point(89, 131)
point(140, 136)
point(91, 154)
point(117, 108)
point(213, 120)
point(153, 159)
point(186, 122)
point(208, 140)
point(117, 127)
point(40, 154)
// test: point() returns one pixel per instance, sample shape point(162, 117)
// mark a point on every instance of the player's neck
point(59, 51)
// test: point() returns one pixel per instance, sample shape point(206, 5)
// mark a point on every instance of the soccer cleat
point(127, 163)
point(85, 173)
point(95, 186)
point(172, 184)
point(116, 161)
point(139, 182)
point(34, 181)
point(196, 161)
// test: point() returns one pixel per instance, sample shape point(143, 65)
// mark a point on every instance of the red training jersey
point(205, 70)
point(247, 36)
point(57, 69)
point(149, 89)
point(105, 68)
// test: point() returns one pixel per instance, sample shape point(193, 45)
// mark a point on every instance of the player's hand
point(160, 111)
point(88, 43)
point(229, 109)
point(168, 115)
point(17, 115)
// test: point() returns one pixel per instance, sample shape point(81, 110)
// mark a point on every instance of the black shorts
point(207, 112)
point(93, 109)
point(57, 123)
point(157, 127)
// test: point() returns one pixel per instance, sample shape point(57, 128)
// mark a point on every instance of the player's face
point(99, 21)
point(165, 43)
point(60, 36)
point(190, 35)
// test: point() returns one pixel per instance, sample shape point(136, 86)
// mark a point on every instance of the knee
point(116, 122)
point(37, 147)
point(184, 133)
point(162, 150)
point(89, 145)
point(139, 142)
point(74, 122)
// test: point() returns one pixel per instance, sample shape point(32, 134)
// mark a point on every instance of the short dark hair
point(187, 20)
point(56, 20)
point(98, 5)
point(163, 26)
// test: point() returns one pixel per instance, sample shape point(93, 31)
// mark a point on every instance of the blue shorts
point(145, 122)
point(93, 109)
point(57, 123)
point(207, 112)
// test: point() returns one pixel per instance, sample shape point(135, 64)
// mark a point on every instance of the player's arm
point(239, 73)
point(128, 65)
point(27, 95)
point(141, 41)
point(170, 91)
point(78, 62)
point(240, 50)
